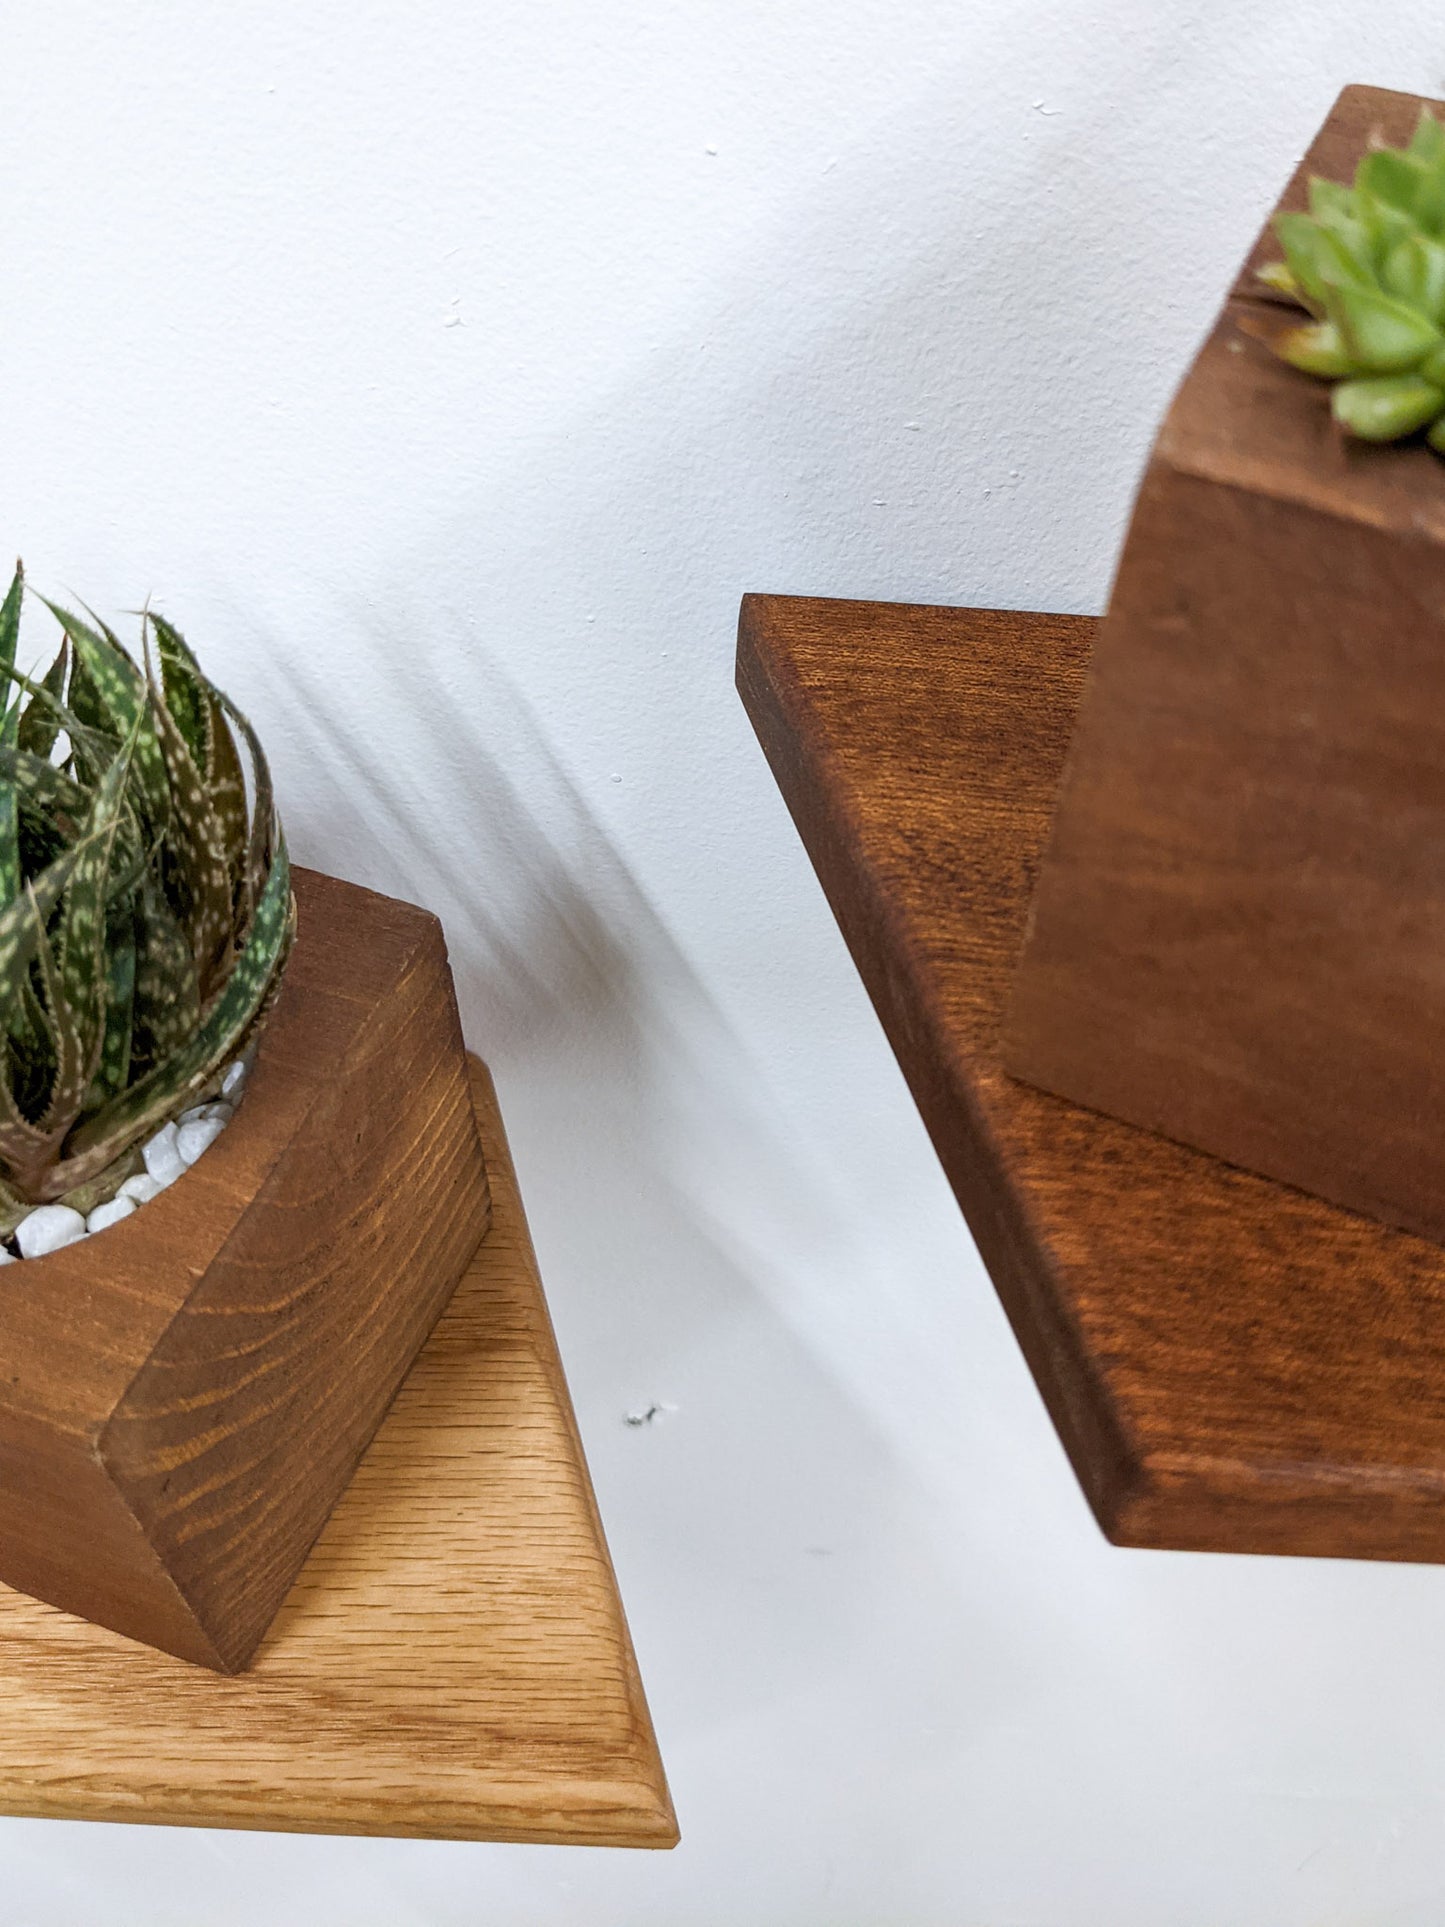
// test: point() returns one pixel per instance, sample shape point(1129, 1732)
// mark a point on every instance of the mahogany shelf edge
point(1231, 1365)
point(452, 1663)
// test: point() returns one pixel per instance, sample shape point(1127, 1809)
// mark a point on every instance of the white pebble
point(140, 1189)
point(50, 1227)
point(234, 1082)
point(108, 1214)
point(194, 1139)
point(163, 1160)
point(190, 1116)
point(7, 1257)
point(225, 1112)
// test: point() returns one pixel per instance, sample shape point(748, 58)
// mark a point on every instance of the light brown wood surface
point(183, 1399)
point(1231, 1364)
point(1239, 924)
point(453, 1660)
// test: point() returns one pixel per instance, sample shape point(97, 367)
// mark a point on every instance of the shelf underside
point(453, 1661)
point(1231, 1364)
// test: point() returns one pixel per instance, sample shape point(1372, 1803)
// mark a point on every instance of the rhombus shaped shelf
point(453, 1661)
point(1231, 1364)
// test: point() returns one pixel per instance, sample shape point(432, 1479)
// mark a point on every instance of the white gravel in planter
point(50, 1227)
point(172, 1150)
point(112, 1213)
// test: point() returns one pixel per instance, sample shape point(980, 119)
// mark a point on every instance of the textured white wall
point(448, 372)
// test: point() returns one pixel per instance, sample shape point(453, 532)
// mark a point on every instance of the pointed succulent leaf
point(1427, 143)
point(167, 999)
point(71, 1071)
point(9, 730)
point(219, 1036)
point(218, 760)
point(150, 911)
point(98, 745)
point(124, 697)
point(1430, 203)
point(1317, 348)
point(197, 844)
point(40, 725)
point(265, 827)
point(1414, 273)
point(1385, 228)
point(228, 795)
point(1331, 200)
point(80, 941)
point(1382, 336)
point(187, 692)
point(1384, 408)
point(113, 1072)
point(40, 785)
point(1388, 175)
point(23, 940)
point(1315, 256)
point(1278, 276)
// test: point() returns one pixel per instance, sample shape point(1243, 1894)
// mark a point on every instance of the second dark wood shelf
point(1232, 1365)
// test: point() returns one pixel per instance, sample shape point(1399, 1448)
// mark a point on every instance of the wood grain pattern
point(183, 1398)
point(1231, 1364)
point(1239, 924)
point(452, 1662)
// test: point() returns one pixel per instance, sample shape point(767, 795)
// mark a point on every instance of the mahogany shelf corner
point(1231, 1364)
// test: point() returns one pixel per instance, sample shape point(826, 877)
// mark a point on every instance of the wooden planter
point(1238, 936)
point(184, 1397)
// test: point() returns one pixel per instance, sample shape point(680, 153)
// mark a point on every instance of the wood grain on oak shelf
point(453, 1661)
point(1231, 1364)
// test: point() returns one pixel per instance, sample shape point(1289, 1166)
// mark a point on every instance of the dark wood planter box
point(1238, 936)
point(183, 1398)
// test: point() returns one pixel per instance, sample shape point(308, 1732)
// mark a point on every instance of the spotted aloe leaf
point(172, 1083)
point(124, 700)
point(167, 1002)
point(25, 1147)
point(112, 1074)
point(211, 743)
point(198, 842)
point(145, 903)
point(9, 731)
point(77, 997)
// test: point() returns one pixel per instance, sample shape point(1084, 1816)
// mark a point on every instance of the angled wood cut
point(453, 1661)
point(1230, 1363)
point(183, 1398)
point(1238, 937)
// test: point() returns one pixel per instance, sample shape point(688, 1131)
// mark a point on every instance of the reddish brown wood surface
point(1231, 1364)
point(453, 1660)
point(1239, 932)
point(184, 1397)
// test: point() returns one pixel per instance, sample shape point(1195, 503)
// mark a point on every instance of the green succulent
point(145, 906)
point(1368, 262)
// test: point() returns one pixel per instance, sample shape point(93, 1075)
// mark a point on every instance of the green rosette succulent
point(145, 902)
point(1368, 263)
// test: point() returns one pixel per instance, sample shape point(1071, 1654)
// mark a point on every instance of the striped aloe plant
point(145, 905)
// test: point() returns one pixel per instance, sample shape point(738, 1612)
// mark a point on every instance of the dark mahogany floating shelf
point(1232, 1365)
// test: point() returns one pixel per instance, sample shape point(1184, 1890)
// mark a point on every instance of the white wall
point(448, 372)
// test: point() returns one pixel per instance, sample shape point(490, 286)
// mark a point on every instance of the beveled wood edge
point(633, 1810)
point(1155, 1498)
point(613, 1814)
point(648, 1795)
point(1112, 1467)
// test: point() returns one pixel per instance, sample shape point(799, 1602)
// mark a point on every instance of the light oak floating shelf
point(1231, 1364)
point(453, 1661)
